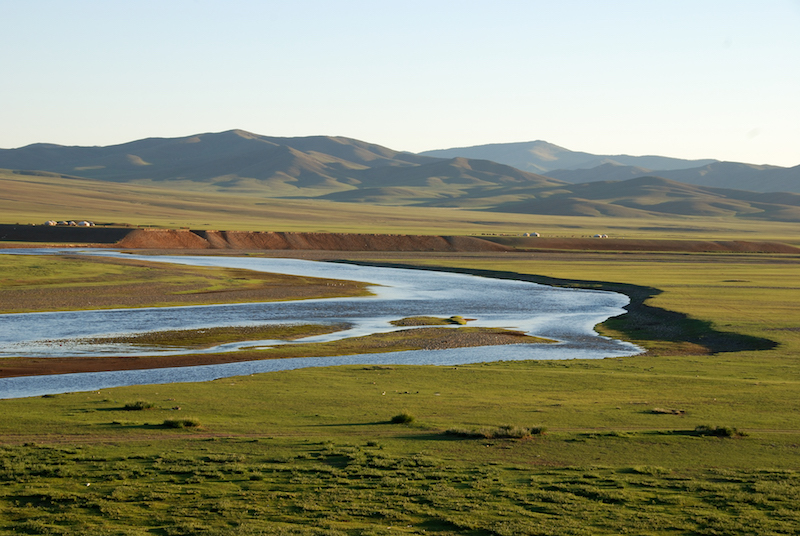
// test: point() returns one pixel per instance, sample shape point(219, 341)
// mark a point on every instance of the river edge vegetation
point(686, 439)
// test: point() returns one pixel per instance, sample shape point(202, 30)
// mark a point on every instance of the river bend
point(566, 315)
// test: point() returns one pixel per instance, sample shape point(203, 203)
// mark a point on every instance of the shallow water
point(566, 315)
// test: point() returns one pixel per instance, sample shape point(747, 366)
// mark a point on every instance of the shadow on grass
point(698, 431)
point(445, 437)
point(441, 437)
point(168, 424)
point(642, 324)
point(343, 424)
point(130, 410)
point(711, 431)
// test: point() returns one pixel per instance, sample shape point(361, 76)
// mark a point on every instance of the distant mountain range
point(348, 170)
point(541, 157)
point(232, 160)
point(577, 167)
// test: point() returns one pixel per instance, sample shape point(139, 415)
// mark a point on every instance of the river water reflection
point(566, 315)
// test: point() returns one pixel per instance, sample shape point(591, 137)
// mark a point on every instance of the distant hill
point(740, 176)
point(641, 197)
point(576, 167)
point(458, 182)
point(541, 157)
point(718, 175)
point(347, 170)
point(233, 159)
point(271, 166)
point(603, 172)
point(648, 196)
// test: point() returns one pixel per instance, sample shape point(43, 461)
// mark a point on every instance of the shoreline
point(681, 338)
point(435, 339)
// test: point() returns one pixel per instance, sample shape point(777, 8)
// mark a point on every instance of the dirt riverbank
point(60, 236)
point(45, 236)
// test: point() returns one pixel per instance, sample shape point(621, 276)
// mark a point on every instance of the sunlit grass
point(29, 199)
point(633, 445)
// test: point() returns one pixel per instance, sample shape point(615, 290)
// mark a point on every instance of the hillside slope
point(541, 157)
point(344, 170)
point(269, 166)
point(577, 167)
point(648, 196)
point(732, 175)
point(740, 176)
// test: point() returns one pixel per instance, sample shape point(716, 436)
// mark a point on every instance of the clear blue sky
point(691, 79)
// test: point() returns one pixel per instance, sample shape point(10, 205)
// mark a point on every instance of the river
point(566, 315)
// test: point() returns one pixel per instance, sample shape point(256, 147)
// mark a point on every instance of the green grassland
point(314, 451)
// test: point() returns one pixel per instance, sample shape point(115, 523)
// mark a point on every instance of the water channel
point(566, 315)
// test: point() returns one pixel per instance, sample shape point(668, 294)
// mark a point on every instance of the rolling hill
point(740, 176)
point(541, 157)
point(230, 160)
point(238, 161)
point(717, 175)
point(344, 170)
point(577, 167)
point(650, 196)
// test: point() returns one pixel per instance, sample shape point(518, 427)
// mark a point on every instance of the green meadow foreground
point(686, 439)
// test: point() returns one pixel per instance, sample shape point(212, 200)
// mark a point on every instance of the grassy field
point(30, 199)
point(629, 444)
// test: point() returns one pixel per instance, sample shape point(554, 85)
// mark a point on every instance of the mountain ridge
point(544, 156)
point(354, 171)
point(577, 167)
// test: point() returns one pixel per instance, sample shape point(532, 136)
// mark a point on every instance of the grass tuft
point(718, 431)
point(139, 405)
point(181, 423)
point(498, 432)
point(403, 418)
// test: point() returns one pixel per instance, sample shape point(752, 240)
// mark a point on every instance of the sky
point(688, 79)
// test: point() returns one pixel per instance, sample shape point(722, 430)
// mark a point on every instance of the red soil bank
point(171, 239)
point(26, 235)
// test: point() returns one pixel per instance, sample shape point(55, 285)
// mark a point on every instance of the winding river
point(566, 315)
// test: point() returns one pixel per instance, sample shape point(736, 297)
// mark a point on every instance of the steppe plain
point(699, 435)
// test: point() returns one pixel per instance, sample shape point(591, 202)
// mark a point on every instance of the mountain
point(603, 172)
point(348, 170)
point(270, 166)
point(577, 167)
point(232, 159)
point(717, 175)
point(740, 176)
point(541, 157)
